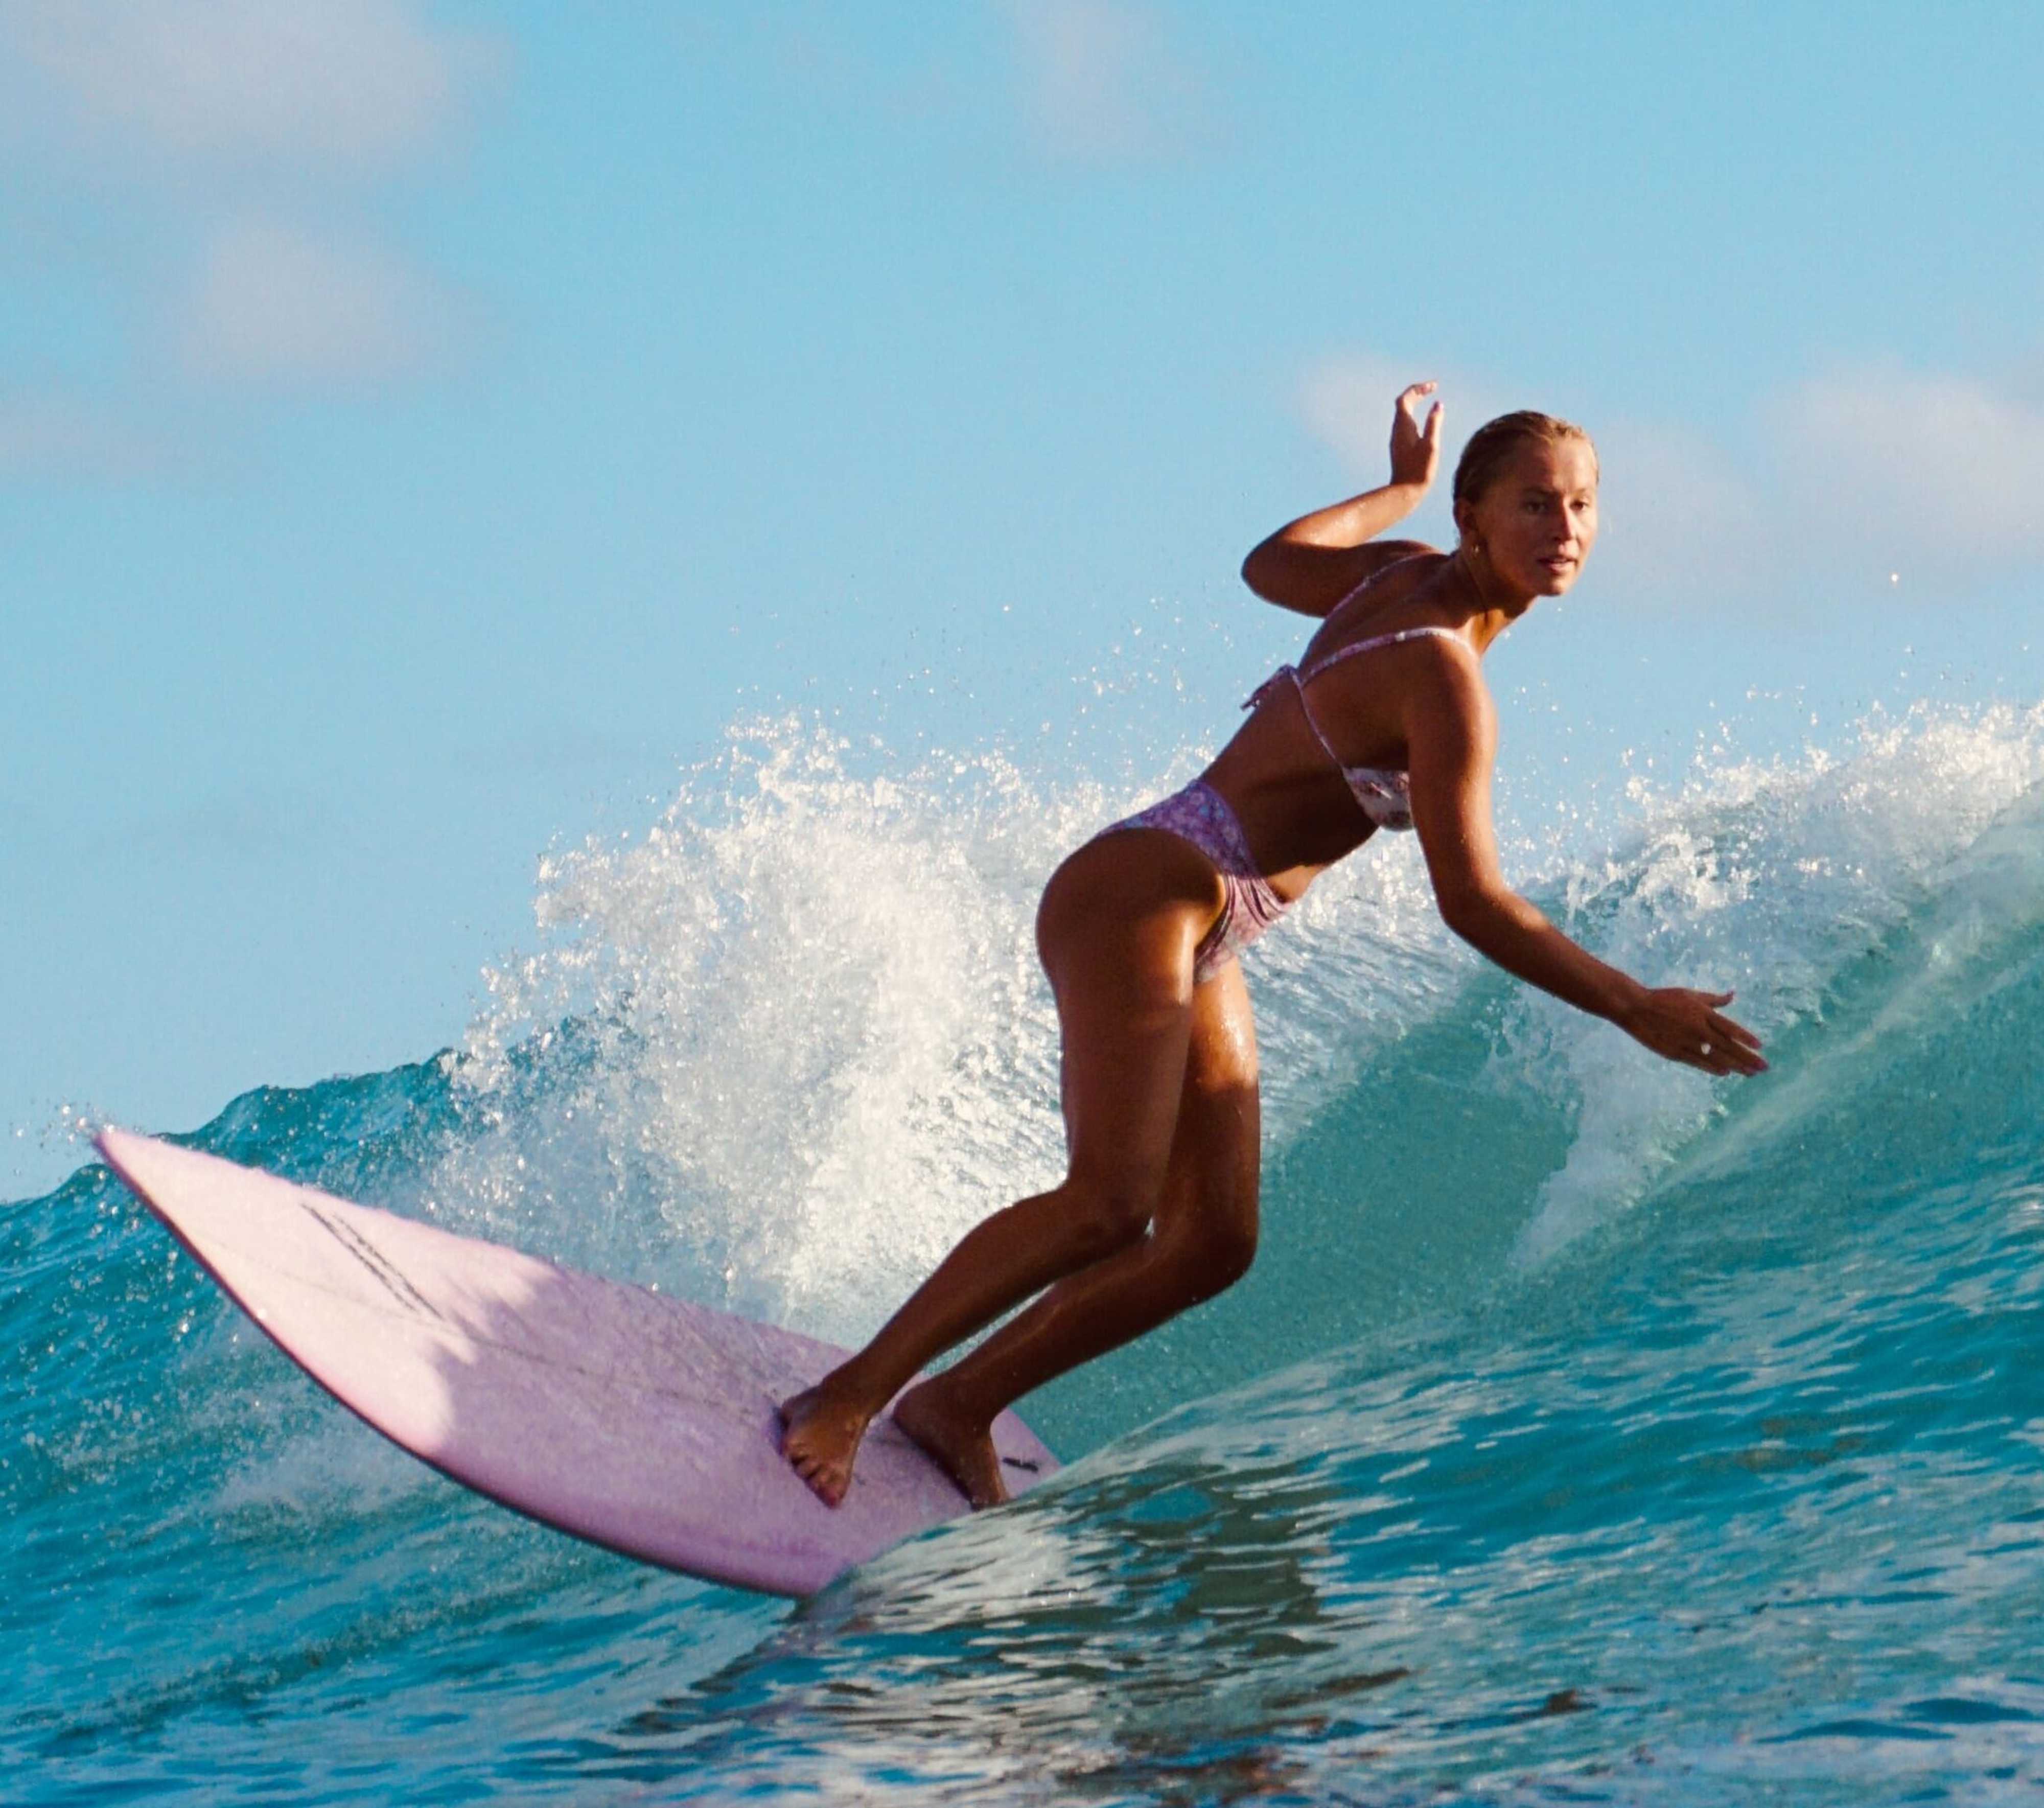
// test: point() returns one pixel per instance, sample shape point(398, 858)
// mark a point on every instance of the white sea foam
point(793, 1041)
point(809, 1020)
point(1766, 878)
point(803, 1013)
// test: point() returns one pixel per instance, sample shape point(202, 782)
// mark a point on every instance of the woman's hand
point(1686, 1026)
point(1311, 563)
point(1416, 451)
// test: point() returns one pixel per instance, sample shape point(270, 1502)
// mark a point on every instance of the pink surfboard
point(640, 1422)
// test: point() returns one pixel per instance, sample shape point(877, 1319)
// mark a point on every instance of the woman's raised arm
point(1310, 564)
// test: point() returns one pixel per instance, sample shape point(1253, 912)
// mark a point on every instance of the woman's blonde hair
point(1495, 441)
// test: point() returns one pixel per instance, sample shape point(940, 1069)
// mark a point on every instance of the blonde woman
point(1385, 723)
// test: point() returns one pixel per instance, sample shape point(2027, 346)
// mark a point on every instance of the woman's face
point(1537, 520)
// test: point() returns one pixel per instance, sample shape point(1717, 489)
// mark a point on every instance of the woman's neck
point(1497, 607)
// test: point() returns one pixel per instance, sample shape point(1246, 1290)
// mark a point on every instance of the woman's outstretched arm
point(1450, 744)
point(1310, 564)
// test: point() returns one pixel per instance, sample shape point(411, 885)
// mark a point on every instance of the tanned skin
point(1158, 1209)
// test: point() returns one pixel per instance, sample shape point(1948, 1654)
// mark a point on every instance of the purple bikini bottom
point(1200, 814)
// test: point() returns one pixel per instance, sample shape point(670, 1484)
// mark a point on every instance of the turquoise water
point(1587, 1431)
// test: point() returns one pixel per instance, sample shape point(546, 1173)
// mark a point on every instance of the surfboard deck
point(640, 1422)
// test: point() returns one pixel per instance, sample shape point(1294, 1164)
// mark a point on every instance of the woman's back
point(1320, 764)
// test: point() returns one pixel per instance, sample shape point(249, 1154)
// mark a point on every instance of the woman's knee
point(1226, 1253)
point(1210, 1256)
point(1110, 1214)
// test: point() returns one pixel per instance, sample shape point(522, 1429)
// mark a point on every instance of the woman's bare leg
point(1202, 1241)
point(1117, 929)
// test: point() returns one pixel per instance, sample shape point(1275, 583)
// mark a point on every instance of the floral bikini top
point(1380, 791)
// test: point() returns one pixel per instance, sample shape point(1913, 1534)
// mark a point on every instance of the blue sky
point(424, 429)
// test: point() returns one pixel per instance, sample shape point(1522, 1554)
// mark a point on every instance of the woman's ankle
point(850, 1387)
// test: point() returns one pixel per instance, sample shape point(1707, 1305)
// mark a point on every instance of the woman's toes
point(820, 1435)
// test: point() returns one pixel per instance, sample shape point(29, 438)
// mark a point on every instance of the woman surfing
point(1385, 723)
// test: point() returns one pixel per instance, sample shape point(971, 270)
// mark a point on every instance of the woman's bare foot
point(820, 1436)
point(962, 1445)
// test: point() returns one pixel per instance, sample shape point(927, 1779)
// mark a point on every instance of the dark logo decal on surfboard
point(371, 1258)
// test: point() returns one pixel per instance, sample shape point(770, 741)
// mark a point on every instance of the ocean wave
point(1565, 1379)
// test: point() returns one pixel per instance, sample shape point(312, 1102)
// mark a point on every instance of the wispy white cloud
point(1683, 521)
point(1901, 467)
point(1103, 83)
point(276, 306)
point(220, 130)
point(345, 82)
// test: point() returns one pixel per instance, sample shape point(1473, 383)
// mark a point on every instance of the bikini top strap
point(1305, 708)
point(1354, 647)
point(1299, 680)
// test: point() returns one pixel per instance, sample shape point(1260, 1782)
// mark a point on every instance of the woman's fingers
point(1721, 1058)
point(1415, 450)
point(1409, 399)
point(1694, 1032)
point(1741, 1046)
point(1731, 1045)
point(1732, 1032)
